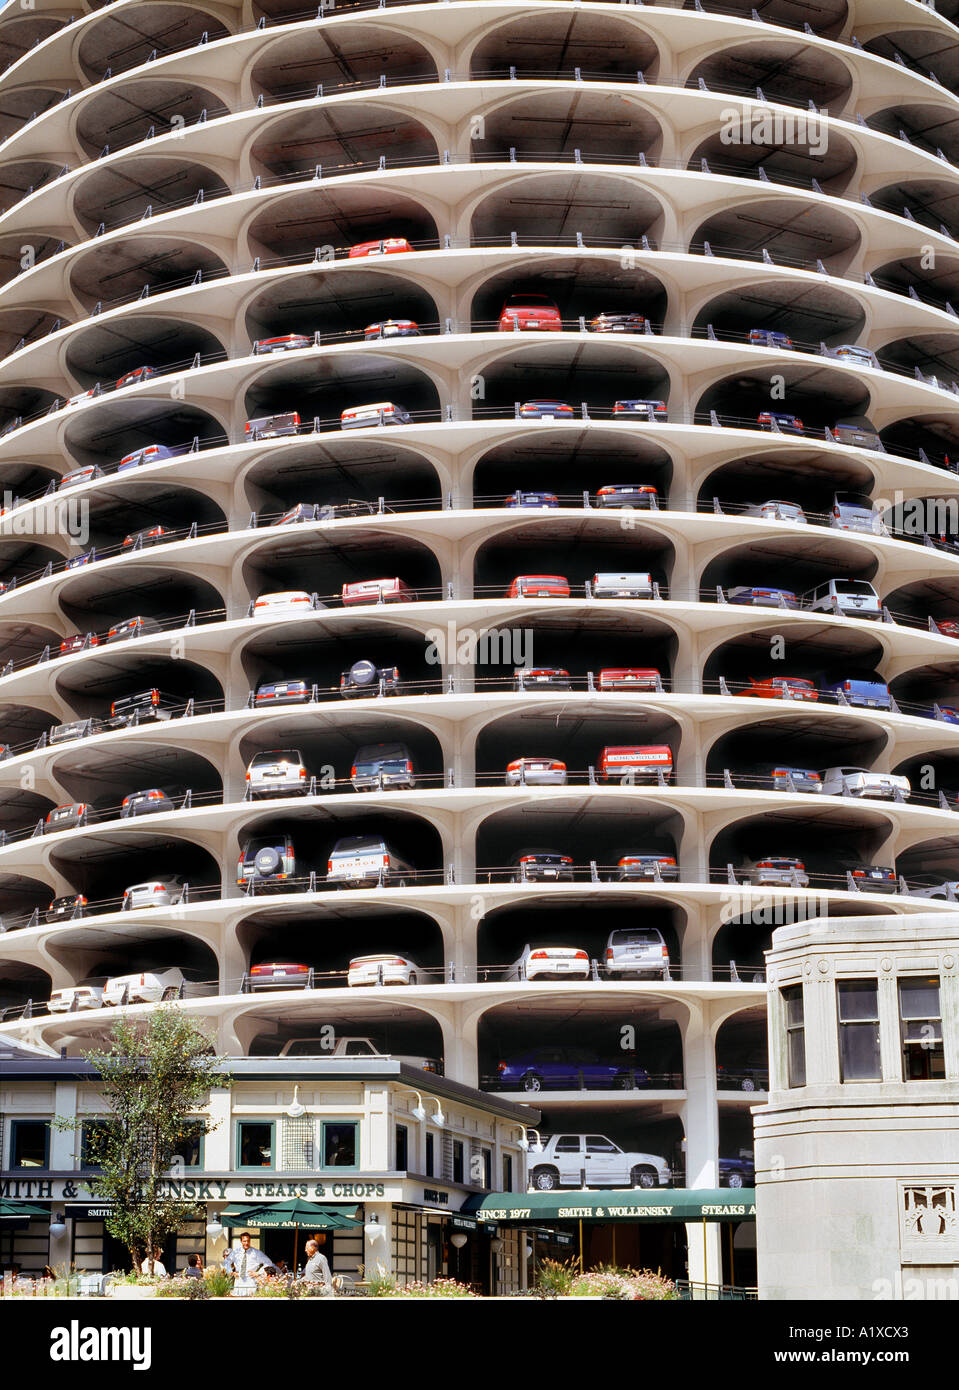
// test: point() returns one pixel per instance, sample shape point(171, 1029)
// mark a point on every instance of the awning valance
point(666, 1204)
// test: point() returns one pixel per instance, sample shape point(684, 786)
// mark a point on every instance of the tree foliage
point(155, 1074)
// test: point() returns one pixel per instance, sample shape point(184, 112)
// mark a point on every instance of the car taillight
point(859, 873)
point(581, 955)
point(154, 697)
point(539, 955)
point(409, 767)
point(353, 770)
point(158, 887)
point(329, 866)
point(609, 953)
point(501, 1066)
point(248, 777)
point(302, 772)
point(385, 860)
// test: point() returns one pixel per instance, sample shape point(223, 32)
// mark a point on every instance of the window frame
point(845, 1027)
point(907, 1047)
point(789, 994)
point(353, 1167)
point(242, 1167)
point(15, 1125)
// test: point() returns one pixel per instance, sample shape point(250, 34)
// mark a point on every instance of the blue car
point(545, 410)
point(646, 410)
point(738, 1172)
point(775, 419)
point(76, 561)
point(767, 598)
point(150, 453)
point(294, 692)
point(863, 694)
point(768, 337)
point(532, 499)
point(567, 1069)
point(948, 714)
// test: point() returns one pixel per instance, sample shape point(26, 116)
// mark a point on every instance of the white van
point(849, 598)
point(636, 585)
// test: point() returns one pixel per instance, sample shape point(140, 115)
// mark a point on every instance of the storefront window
point(254, 1144)
point(339, 1144)
point(920, 1028)
point(858, 1002)
point(30, 1144)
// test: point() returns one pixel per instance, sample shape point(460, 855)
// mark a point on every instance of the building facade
point(559, 394)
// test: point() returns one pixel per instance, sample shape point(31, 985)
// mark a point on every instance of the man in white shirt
point(244, 1263)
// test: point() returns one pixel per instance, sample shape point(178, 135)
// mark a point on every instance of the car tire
point(735, 1180)
point(412, 978)
point(644, 1177)
point(545, 1179)
point(532, 1082)
point(747, 1084)
point(400, 883)
point(170, 992)
point(624, 1082)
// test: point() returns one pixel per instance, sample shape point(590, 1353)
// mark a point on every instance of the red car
point(154, 535)
point(781, 688)
point(949, 627)
point(135, 377)
point(279, 975)
point(77, 641)
point(539, 586)
point(636, 762)
point(629, 678)
point(376, 591)
point(287, 342)
point(530, 313)
point(388, 247)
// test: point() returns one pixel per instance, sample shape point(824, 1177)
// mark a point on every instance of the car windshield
point(278, 755)
point(634, 938)
point(855, 586)
point(359, 844)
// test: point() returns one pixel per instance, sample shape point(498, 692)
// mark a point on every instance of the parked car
point(391, 328)
point(631, 764)
point(150, 453)
point(545, 410)
point(853, 511)
point(541, 866)
point(87, 474)
point(776, 510)
point(861, 693)
point(738, 1172)
point(286, 342)
point(279, 975)
point(144, 707)
point(629, 678)
point(565, 1160)
point(337, 1045)
point(763, 598)
point(538, 500)
point(630, 584)
point(69, 906)
point(871, 878)
point(566, 1069)
point(781, 688)
point(526, 312)
point(362, 861)
point(76, 728)
point(149, 986)
point(271, 426)
point(379, 766)
point(78, 642)
point(539, 586)
point(643, 868)
point(389, 246)
point(859, 781)
point(267, 861)
point(846, 598)
point(75, 562)
point(948, 627)
point(148, 802)
point(627, 496)
point(857, 430)
point(744, 1077)
point(279, 772)
point(359, 417)
point(775, 871)
point(769, 337)
point(154, 892)
point(288, 603)
point(293, 692)
point(541, 678)
point(618, 323)
point(550, 963)
point(854, 354)
point(632, 952)
point(77, 998)
point(645, 410)
point(133, 627)
point(364, 678)
point(777, 420)
point(303, 512)
point(151, 535)
point(536, 772)
point(948, 714)
point(377, 591)
point(136, 377)
point(67, 817)
point(779, 777)
point(932, 886)
point(385, 969)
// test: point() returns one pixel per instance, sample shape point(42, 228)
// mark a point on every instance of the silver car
point(155, 892)
point(279, 772)
point(635, 951)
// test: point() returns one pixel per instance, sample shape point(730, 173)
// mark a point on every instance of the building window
point(339, 1146)
point(457, 1160)
point(90, 1152)
point(402, 1149)
point(430, 1152)
point(487, 1168)
point(507, 1172)
point(859, 1058)
point(254, 1144)
point(30, 1144)
point(795, 1035)
point(920, 1028)
point(189, 1146)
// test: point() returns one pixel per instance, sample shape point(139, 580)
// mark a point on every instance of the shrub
point(609, 1281)
point(218, 1282)
point(175, 1288)
point(555, 1278)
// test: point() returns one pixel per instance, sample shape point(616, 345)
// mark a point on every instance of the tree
point(155, 1074)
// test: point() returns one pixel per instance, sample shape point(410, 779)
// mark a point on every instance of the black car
point(143, 707)
point(538, 866)
point(364, 679)
point(295, 692)
point(738, 1172)
point(132, 627)
point(63, 909)
point(540, 678)
point(146, 803)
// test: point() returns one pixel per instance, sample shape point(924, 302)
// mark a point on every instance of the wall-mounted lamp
point(296, 1109)
point(458, 1239)
point(58, 1227)
point(495, 1245)
point(419, 1110)
point(214, 1227)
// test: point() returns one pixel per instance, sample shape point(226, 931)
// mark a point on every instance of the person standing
point(244, 1263)
point(317, 1270)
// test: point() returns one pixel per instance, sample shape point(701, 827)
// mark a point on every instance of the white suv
point(279, 772)
point(147, 987)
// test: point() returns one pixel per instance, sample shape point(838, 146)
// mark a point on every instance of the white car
point(287, 604)
point(154, 893)
point(776, 510)
point(144, 987)
point(73, 998)
point(550, 963)
point(562, 1160)
point(395, 970)
point(947, 889)
point(353, 1049)
point(279, 772)
point(536, 772)
point(859, 781)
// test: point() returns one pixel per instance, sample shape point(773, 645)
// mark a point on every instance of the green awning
point(11, 1210)
point(293, 1212)
point(632, 1204)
